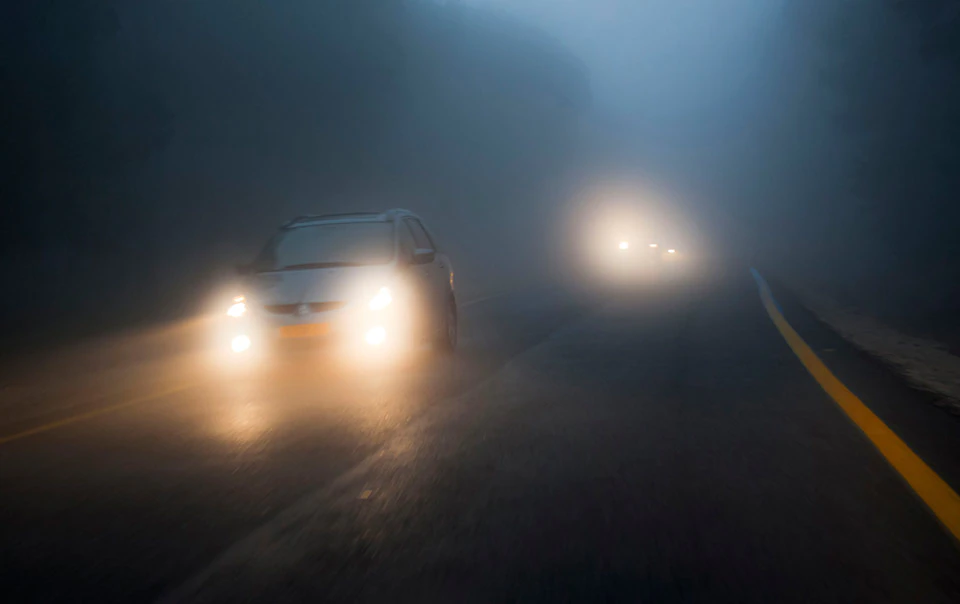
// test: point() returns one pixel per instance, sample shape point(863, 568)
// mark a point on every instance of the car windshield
point(328, 245)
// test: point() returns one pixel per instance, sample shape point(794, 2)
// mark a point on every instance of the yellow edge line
point(937, 494)
point(92, 414)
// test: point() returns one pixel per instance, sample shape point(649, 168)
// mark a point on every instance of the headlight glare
point(240, 343)
point(376, 336)
point(237, 309)
point(381, 299)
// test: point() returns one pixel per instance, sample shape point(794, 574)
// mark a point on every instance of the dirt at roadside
point(926, 363)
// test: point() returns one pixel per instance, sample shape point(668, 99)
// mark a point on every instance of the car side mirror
point(423, 256)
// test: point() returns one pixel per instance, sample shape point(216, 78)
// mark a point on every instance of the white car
point(367, 280)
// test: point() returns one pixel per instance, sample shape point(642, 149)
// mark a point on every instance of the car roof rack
point(305, 218)
point(387, 215)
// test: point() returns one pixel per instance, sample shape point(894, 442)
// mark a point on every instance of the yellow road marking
point(937, 494)
point(91, 414)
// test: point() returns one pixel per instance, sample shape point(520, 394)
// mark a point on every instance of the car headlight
point(381, 299)
point(671, 251)
point(238, 308)
point(376, 336)
point(240, 343)
point(624, 245)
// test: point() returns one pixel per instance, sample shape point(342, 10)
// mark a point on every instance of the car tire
point(446, 339)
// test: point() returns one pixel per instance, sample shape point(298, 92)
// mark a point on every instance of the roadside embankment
point(925, 362)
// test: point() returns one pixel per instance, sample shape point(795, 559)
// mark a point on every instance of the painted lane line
point(935, 493)
point(483, 299)
point(228, 576)
point(96, 413)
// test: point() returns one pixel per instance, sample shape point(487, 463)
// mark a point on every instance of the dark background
point(151, 146)
point(858, 172)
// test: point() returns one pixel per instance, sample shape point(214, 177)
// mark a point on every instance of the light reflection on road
point(307, 392)
point(243, 415)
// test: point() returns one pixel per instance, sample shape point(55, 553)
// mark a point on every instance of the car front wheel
point(446, 341)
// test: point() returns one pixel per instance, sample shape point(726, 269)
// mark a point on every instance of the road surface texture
point(662, 444)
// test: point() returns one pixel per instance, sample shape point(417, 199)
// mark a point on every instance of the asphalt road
point(657, 444)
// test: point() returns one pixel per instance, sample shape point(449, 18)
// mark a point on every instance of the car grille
point(291, 309)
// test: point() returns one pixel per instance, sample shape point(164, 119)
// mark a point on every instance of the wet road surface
point(652, 445)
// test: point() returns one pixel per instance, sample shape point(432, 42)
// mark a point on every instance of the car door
point(418, 275)
point(442, 269)
point(432, 271)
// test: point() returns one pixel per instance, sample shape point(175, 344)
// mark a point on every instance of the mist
point(480, 300)
point(812, 137)
point(152, 147)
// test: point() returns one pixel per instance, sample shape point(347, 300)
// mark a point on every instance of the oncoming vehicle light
point(624, 245)
point(671, 251)
point(238, 308)
point(240, 343)
point(376, 336)
point(653, 245)
point(381, 300)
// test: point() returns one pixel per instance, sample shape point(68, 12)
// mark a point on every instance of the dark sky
point(669, 59)
point(686, 84)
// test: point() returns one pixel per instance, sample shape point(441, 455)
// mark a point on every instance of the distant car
point(372, 280)
point(632, 258)
point(636, 253)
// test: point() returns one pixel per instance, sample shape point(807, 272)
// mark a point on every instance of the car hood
point(337, 284)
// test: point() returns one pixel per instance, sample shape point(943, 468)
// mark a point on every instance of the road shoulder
point(928, 429)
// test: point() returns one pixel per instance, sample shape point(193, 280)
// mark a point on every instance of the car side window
point(420, 235)
point(407, 242)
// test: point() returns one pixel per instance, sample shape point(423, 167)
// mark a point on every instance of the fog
point(814, 137)
point(151, 147)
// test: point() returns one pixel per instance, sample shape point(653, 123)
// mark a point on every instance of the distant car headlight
point(238, 308)
point(624, 245)
point(671, 251)
point(381, 299)
point(653, 245)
